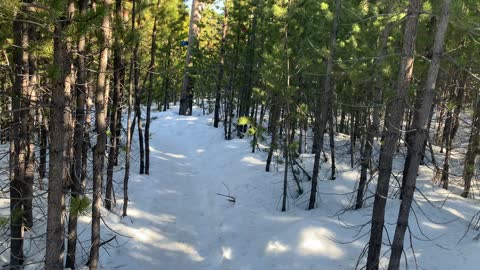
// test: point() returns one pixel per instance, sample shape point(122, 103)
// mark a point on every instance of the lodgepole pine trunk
point(30, 101)
point(419, 126)
point(472, 152)
point(186, 99)
point(17, 140)
point(331, 135)
point(245, 93)
point(231, 92)
point(101, 100)
point(129, 114)
point(59, 151)
point(391, 133)
point(151, 67)
point(321, 114)
point(76, 170)
point(373, 126)
point(450, 130)
point(275, 112)
point(218, 93)
point(115, 114)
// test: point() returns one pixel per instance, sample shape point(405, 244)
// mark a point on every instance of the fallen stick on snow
point(230, 198)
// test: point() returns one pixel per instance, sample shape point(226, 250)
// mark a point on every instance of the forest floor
point(177, 219)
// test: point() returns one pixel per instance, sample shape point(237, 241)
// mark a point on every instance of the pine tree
point(59, 146)
point(186, 100)
point(101, 100)
point(393, 118)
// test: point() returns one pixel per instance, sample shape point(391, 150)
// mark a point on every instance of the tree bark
point(373, 126)
point(59, 151)
point(218, 93)
point(186, 99)
point(391, 133)
point(151, 67)
point(76, 171)
point(451, 128)
point(101, 100)
point(30, 101)
point(331, 135)
point(17, 139)
point(273, 143)
point(418, 137)
point(129, 113)
point(245, 93)
point(472, 152)
point(115, 114)
point(321, 114)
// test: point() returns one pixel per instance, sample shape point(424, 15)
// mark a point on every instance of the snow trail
point(178, 222)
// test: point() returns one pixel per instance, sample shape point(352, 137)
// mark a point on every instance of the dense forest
point(370, 109)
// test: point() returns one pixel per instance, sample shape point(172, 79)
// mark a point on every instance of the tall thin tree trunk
point(218, 93)
point(472, 152)
point(43, 142)
point(138, 114)
point(101, 100)
point(231, 93)
point(255, 123)
point(273, 143)
point(393, 118)
point(373, 126)
point(418, 137)
point(167, 78)
point(30, 101)
point(285, 173)
point(286, 118)
point(151, 68)
point(186, 100)
point(59, 150)
point(450, 130)
point(129, 113)
point(115, 114)
point(245, 93)
point(76, 171)
point(352, 138)
point(331, 135)
point(321, 116)
point(17, 140)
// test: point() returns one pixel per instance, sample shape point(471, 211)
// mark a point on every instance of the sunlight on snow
point(186, 118)
point(434, 225)
point(314, 241)
point(276, 247)
point(454, 212)
point(153, 150)
point(158, 219)
point(342, 189)
point(174, 155)
point(232, 146)
point(227, 253)
point(284, 219)
point(167, 191)
point(252, 160)
point(155, 239)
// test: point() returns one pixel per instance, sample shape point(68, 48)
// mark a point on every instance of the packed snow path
point(177, 221)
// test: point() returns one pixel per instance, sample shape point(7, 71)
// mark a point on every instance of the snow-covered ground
point(178, 221)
